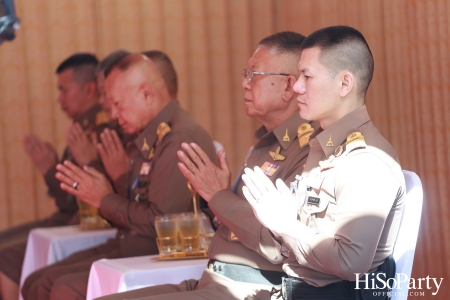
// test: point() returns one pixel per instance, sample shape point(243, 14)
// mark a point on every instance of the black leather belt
point(247, 274)
point(296, 289)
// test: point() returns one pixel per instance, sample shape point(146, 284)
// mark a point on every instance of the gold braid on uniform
point(304, 131)
point(355, 140)
point(161, 131)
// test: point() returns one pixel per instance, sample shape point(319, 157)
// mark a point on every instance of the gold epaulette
point(355, 140)
point(304, 131)
point(162, 130)
point(101, 118)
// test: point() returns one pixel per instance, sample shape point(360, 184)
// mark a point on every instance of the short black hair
point(344, 48)
point(284, 42)
point(122, 64)
point(111, 59)
point(166, 68)
point(83, 64)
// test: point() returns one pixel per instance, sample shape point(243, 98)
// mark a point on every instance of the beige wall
point(210, 42)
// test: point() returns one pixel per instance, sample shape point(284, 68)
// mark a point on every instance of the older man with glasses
point(245, 261)
point(249, 73)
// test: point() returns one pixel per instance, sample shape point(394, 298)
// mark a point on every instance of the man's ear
point(347, 83)
point(289, 88)
point(147, 92)
point(90, 88)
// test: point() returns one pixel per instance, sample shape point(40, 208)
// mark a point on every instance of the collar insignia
point(286, 137)
point(145, 146)
point(329, 143)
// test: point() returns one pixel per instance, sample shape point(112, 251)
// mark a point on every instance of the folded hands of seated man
point(41, 153)
point(204, 175)
point(83, 149)
point(275, 207)
point(114, 157)
point(86, 184)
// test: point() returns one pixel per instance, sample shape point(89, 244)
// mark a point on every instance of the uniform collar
point(87, 120)
point(341, 129)
point(290, 125)
point(148, 135)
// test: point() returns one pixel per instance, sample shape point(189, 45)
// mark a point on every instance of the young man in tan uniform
point(78, 99)
point(245, 260)
point(142, 105)
point(345, 217)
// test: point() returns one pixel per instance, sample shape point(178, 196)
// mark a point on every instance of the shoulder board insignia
point(355, 140)
point(304, 131)
point(101, 118)
point(162, 130)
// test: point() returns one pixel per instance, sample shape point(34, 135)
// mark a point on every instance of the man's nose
point(114, 112)
point(245, 84)
point(299, 87)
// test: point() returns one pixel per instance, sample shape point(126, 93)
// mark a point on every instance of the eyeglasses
point(247, 73)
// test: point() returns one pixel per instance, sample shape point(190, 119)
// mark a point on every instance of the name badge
point(294, 187)
point(313, 201)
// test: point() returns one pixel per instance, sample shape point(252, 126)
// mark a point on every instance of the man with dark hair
point(143, 106)
point(78, 99)
point(342, 223)
point(245, 260)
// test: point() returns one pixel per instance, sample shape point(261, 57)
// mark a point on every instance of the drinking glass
point(189, 228)
point(167, 230)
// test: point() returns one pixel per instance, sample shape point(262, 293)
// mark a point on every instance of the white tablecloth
point(109, 276)
point(49, 245)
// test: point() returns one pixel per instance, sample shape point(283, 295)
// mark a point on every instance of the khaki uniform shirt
point(155, 186)
point(94, 120)
point(353, 204)
point(240, 238)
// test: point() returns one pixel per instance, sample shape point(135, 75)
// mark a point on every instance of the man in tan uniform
point(142, 105)
point(113, 155)
point(245, 260)
point(345, 217)
point(78, 99)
